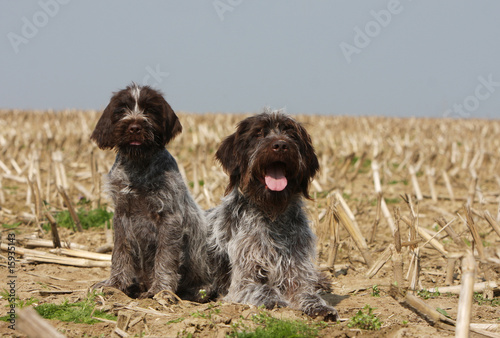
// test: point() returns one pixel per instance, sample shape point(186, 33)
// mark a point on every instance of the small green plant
point(270, 327)
point(18, 303)
point(185, 334)
point(43, 285)
point(88, 218)
point(443, 312)
point(346, 196)
point(375, 291)
point(26, 302)
point(11, 226)
point(392, 200)
point(479, 298)
point(201, 183)
point(199, 314)
point(212, 309)
point(392, 182)
point(180, 319)
point(365, 321)
point(426, 294)
point(79, 312)
point(11, 189)
point(203, 293)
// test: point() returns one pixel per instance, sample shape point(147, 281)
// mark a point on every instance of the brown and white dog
point(159, 230)
point(262, 248)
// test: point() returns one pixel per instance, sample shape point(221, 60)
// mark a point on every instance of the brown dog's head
point(136, 122)
point(271, 159)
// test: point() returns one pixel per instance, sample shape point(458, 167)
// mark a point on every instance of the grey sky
point(393, 58)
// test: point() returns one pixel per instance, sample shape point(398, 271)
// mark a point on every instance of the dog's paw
point(328, 313)
point(274, 303)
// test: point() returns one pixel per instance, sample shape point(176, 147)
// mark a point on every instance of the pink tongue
point(275, 179)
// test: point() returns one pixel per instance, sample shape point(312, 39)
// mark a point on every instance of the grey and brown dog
point(159, 230)
point(262, 248)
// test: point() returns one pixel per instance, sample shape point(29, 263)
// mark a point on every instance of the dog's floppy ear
point(103, 132)
point(311, 161)
point(226, 154)
point(172, 126)
point(228, 158)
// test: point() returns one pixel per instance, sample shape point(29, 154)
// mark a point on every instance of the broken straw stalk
point(346, 217)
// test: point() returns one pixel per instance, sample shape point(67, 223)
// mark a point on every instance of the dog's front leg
point(122, 274)
point(168, 256)
point(302, 296)
point(249, 285)
point(313, 305)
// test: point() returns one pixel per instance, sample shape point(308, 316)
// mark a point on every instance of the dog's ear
point(310, 160)
point(226, 155)
point(103, 132)
point(172, 126)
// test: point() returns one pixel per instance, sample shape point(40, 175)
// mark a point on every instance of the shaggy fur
point(159, 231)
point(262, 248)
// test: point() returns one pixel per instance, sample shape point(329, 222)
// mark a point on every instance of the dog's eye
point(260, 133)
point(117, 114)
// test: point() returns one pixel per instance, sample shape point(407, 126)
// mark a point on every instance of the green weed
point(426, 294)
point(88, 218)
point(365, 321)
point(479, 298)
point(270, 327)
point(443, 312)
point(180, 319)
point(18, 303)
point(79, 312)
point(11, 226)
point(212, 309)
point(392, 200)
point(201, 183)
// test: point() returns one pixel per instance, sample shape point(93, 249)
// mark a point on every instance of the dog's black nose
point(280, 145)
point(134, 128)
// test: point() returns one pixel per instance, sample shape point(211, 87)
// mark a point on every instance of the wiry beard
point(150, 143)
point(253, 185)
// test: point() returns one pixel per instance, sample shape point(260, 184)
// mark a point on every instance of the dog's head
point(136, 122)
point(270, 158)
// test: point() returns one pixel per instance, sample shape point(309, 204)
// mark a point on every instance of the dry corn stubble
point(446, 163)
